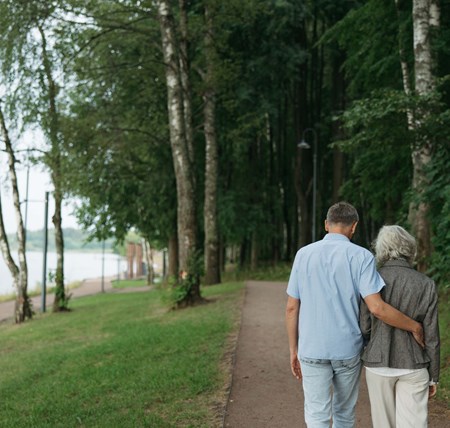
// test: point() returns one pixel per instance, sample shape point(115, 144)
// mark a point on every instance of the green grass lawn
point(119, 360)
point(129, 283)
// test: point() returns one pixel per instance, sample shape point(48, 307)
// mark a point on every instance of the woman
point(400, 375)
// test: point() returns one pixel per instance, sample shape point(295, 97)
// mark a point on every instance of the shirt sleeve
point(293, 285)
point(370, 281)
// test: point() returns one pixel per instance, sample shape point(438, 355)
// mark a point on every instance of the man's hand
point(295, 367)
point(389, 315)
point(432, 391)
point(419, 336)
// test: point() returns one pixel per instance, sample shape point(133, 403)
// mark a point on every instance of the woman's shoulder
point(402, 270)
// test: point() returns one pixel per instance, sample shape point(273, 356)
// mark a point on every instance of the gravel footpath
point(263, 392)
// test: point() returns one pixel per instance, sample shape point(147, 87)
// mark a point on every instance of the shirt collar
point(397, 262)
point(336, 237)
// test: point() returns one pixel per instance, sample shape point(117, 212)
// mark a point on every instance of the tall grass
point(118, 360)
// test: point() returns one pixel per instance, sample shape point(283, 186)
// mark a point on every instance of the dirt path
point(264, 393)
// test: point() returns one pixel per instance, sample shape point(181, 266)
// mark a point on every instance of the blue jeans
point(319, 376)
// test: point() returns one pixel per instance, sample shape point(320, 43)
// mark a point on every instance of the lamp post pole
point(44, 267)
point(304, 145)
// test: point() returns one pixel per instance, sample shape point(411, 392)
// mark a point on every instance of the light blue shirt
point(329, 277)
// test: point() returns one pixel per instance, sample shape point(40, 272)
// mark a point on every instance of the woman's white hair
point(394, 242)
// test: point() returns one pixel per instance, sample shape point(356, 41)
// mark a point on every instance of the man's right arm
point(389, 315)
point(292, 314)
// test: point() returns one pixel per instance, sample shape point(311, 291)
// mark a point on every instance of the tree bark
point(60, 302)
point(212, 264)
point(23, 309)
point(173, 257)
point(149, 260)
point(422, 149)
point(185, 81)
point(338, 106)
point(186, 216)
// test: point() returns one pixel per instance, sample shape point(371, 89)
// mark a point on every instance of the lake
point(77, 266)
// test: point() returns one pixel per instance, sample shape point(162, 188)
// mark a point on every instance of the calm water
point(77, 266)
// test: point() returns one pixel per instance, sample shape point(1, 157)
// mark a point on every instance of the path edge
point(230, 356)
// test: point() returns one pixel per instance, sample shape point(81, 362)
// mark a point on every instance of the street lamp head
point(303, 145)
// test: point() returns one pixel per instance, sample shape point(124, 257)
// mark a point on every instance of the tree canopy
point(272, 69)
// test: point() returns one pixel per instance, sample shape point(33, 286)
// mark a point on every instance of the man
point(327, 281)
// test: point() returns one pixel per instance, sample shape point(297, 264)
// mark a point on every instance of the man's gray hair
point(342, 212)
point(394, 242)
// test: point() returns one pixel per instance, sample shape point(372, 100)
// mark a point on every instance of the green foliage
point(119, 360)
point(180, 289)
point(279, 272)
point(379, 143)
point(369, 36)
point(438, 196)
point(444, 322)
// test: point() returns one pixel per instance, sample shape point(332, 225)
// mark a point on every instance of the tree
point(425, 15)
point(28, 63)
point(186, 214)
point(23, 309)
point(212, 265)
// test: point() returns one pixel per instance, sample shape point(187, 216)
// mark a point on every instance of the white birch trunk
point(186, 221)
point(405, 71)
point(421, 151)
point(19, 273)
point(60, 302)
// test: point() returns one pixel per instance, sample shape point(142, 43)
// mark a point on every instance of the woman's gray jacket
point(414, 294)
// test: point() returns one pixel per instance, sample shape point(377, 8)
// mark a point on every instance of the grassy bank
point(119, 360)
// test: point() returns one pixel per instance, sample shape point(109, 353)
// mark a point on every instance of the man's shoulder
point(359, 248)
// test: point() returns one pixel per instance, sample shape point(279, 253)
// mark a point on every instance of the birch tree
point(425, 16)
point(186, 213)
point(29, 61)
point(53, 160)
point(18, 272)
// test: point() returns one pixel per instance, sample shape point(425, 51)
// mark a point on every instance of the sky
point(39, 183)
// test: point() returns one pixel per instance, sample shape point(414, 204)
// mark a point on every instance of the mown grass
point(129, 283)
point(119, 360)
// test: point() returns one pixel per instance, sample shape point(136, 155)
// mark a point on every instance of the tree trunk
point(254, 251)
point(54, 162)
point(422, 149)
point(173, 256)
point(185, 81)
point(149, 260)
point(338, 106)
point(186, 219)
point(212, 265)
point(23, 309)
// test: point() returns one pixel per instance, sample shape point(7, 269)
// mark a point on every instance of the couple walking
point(339, 312)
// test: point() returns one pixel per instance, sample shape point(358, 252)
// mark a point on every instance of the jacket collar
point(397, 263)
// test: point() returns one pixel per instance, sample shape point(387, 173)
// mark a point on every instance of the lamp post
point(44, 262)
point(304, 145)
